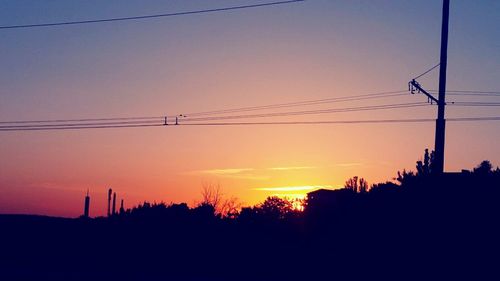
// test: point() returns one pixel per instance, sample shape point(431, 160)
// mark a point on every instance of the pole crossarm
point(413, 86)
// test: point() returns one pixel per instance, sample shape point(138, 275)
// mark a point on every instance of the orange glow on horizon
point(321, 50)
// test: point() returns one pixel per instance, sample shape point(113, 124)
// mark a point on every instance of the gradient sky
point(309, 50)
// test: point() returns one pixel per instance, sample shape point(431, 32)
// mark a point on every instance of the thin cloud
point(247, 176)
point(291, 168)
point(292, 188)
point(239, 173)
point(354, 164)
point(290, 195)
point(57, 186)
point(231, 171)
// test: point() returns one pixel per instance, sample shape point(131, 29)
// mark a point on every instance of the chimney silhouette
point(109, 201)
point(122, 210)
point(87, 205)
point(114, 204)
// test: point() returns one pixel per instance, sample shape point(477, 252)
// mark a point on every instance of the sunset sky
point(308, 50)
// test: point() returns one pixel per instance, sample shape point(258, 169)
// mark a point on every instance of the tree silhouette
point(275, 207)
point(223, 207)
point(450, 221)
point(357, 185)
point(483, 168)
point(425, 168)
point(230, 208)
point(406, 178)
point(204, 211)
point(211, 195)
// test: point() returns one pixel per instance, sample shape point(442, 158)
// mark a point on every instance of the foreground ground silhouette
point(424, 227)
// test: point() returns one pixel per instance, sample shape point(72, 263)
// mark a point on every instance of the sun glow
point(293, 188)
point(297, 199)
point(295, 194)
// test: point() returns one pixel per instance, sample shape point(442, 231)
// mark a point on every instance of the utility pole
point(438, 165)
point(438, 161)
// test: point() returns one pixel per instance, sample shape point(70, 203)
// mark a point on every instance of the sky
point(302, 51)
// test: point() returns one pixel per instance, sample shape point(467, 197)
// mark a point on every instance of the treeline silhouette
point(422, 226)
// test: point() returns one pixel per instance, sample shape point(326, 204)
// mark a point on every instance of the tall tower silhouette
point(122, 210)
point(109, 201)
point(87, 205)
point(114, 204)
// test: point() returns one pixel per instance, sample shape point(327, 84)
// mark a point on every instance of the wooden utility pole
point(438, 161)
point(438, 165)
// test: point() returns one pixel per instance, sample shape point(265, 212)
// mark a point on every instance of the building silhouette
point(329, 202)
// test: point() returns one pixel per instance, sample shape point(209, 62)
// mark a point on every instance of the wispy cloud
point(293, 188)
point(57, 186)
point(290, 195)
point(231, 171)
point(354, 164)
point(248, 176)
point(239, 173)
point(291, 168)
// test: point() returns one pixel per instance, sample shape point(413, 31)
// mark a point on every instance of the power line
point(458, 119)
point(471, 91)
point(312, 122)
point(150, 16)
point(308, 112)
point(82, 127)
point(303, 103)
point(224, 111)
point(474, 103)
point(462, 119)
point(80, 120)
point(475, 94)
point(39, 124)
point(81, 124)
point(380, 121)
point(252, 108)
point(427, 71)
point(210, 114)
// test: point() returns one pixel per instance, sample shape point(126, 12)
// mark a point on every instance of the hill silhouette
point(424, 226)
